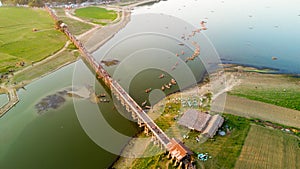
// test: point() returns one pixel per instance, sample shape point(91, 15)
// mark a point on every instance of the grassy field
point(224, 150)
point(96, 15)
point(267, 148)
point(18, 41)
point(281, 90)
point(42, 69)
point(76, 27)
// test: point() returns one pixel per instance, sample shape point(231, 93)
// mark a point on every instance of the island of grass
point(96, 15)
point(27, 36)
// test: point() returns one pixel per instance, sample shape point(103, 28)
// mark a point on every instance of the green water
point(3, 99)
point(55, 139)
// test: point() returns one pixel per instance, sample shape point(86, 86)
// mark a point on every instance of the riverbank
point(237, 78)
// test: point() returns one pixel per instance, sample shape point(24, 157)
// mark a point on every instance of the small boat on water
point(181, 44)
point(148, 90)
point(162, 88)
point(162, 76)
point(104, 100)
point(144, 103)
point(173, 81)
point(101, 95)
point(274, 58)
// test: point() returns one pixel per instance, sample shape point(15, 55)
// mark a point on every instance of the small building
point(205, 123)
point(213, 125)
point(177, 150)
point(194, 120)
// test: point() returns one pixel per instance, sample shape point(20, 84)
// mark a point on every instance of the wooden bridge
point(176, 149)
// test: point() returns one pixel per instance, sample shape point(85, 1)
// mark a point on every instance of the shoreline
point(124, 162)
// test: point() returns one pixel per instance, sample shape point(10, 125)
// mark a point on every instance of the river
point(243, 32)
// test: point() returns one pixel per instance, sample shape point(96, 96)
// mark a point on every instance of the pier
point(176, 150)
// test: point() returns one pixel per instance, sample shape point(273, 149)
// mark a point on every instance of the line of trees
point(39, 3)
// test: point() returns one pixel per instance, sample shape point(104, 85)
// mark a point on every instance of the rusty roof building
point(178, 150)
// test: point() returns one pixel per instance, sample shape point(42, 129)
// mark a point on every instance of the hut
point(213, 125)
point(205, 123)
point(195, 120)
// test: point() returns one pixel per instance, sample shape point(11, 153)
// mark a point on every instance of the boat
point(162, 88)
point(162, 76)
point(144, 103)
point(177, 54)
point(148, 107)
point(173, 81)
point(170, 84)
point(181, 44)
point(274, 58)
point(167, 86)
point(148, 90)
point(104, 100)
point(102, 95)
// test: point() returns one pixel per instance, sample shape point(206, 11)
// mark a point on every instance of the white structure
point(0, 3)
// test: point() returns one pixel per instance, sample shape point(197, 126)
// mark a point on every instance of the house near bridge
point(205, 123)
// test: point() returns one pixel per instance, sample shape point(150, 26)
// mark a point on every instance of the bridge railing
point(151, 125)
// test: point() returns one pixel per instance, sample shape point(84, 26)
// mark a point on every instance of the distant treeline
point(40, 3)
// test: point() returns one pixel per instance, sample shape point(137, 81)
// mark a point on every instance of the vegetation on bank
point(26, 39)
point(96, 15)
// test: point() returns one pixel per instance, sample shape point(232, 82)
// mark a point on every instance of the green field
point(225, 150)
point(96, 15)
point(269, 149)
point(76, 27)
point(279, 90)
point(18, 41)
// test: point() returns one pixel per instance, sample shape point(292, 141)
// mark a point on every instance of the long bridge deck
point(177, 150)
